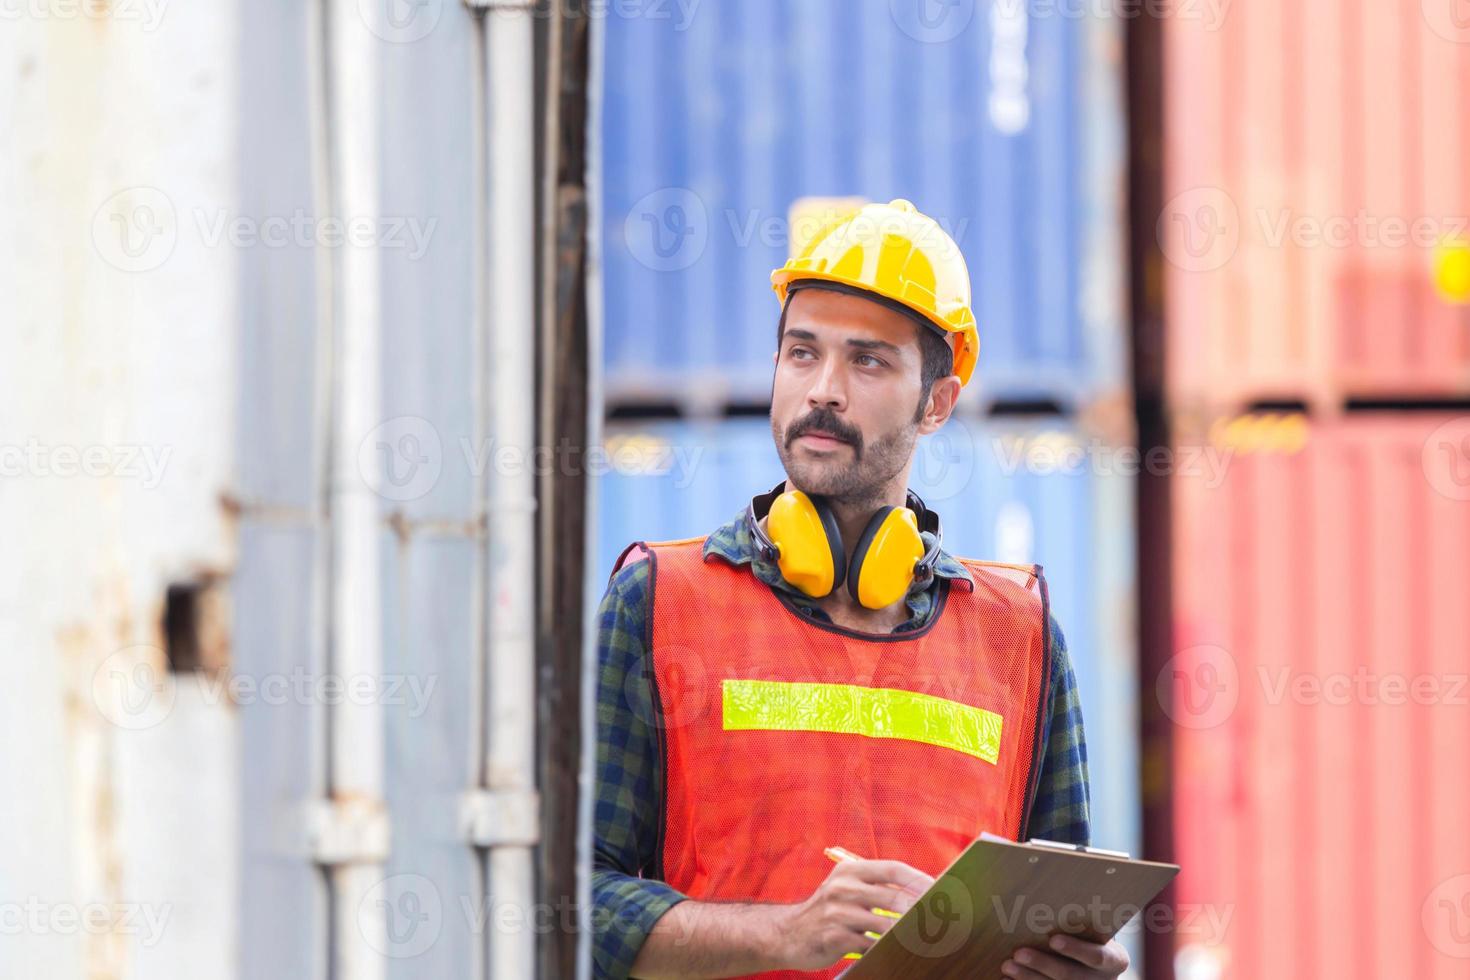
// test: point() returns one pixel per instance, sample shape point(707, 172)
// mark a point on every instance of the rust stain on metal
point(405, 528)
point(236, 508)
point(92, 740)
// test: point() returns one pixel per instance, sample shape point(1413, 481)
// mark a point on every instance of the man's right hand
point(832, 922)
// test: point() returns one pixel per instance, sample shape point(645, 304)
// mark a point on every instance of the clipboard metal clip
point(1079, 848)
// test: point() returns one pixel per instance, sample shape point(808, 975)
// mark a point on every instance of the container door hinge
point(348, 831)
point(496, 818)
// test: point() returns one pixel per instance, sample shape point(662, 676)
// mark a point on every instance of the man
point(818, 672)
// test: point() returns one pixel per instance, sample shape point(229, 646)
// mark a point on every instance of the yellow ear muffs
point(883, 562)
point(808, 544)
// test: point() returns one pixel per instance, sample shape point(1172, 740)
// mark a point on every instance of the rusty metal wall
point(117, 824)
point(1319, 702)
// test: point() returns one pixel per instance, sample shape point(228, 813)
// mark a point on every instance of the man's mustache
point(823, 422)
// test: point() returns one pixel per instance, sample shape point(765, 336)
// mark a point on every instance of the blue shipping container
point(1014, 491)
point(1001, 120)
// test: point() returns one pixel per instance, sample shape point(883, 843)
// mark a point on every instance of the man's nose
point(829, 390)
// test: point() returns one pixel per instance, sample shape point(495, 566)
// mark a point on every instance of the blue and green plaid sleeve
point(625, 820)
point(1060, 810)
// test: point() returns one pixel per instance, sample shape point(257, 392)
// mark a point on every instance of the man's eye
point(798, 352)
point(868, 360)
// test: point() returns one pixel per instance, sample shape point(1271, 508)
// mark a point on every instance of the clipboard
point(1000, 895)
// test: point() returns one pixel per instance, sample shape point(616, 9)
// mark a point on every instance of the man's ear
point(941, 404)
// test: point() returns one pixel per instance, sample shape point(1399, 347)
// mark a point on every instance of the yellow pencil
point(840, 854)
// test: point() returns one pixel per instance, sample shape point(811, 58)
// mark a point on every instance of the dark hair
point(938, 358)
point(938, 363)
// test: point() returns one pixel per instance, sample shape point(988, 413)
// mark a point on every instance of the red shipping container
point(1318, 698)
point(1316, 153)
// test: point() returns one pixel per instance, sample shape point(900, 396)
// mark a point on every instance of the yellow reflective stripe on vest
point(877, 712)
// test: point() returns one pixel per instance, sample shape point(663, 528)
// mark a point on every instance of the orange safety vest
point(781, 736)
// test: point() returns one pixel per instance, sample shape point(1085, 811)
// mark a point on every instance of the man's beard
point(862, 480)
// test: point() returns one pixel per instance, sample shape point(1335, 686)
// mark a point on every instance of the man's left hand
point(1070, 958)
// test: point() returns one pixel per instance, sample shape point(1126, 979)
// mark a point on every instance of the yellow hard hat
point(900, 254)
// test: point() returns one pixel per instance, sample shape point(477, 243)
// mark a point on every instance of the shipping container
point(1315, 234)
point(368, 441)
point(1013, 491)
point(1318, 700)
point(1002, 121)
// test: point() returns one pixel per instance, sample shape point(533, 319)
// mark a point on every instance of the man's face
point(845, 400)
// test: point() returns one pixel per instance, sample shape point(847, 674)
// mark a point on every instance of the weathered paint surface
point(116, 400)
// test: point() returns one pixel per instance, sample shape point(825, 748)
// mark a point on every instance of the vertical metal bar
point(510, 597)
point(596, 320)
point(319, 26)
point(480, 346)
point(354, 637)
